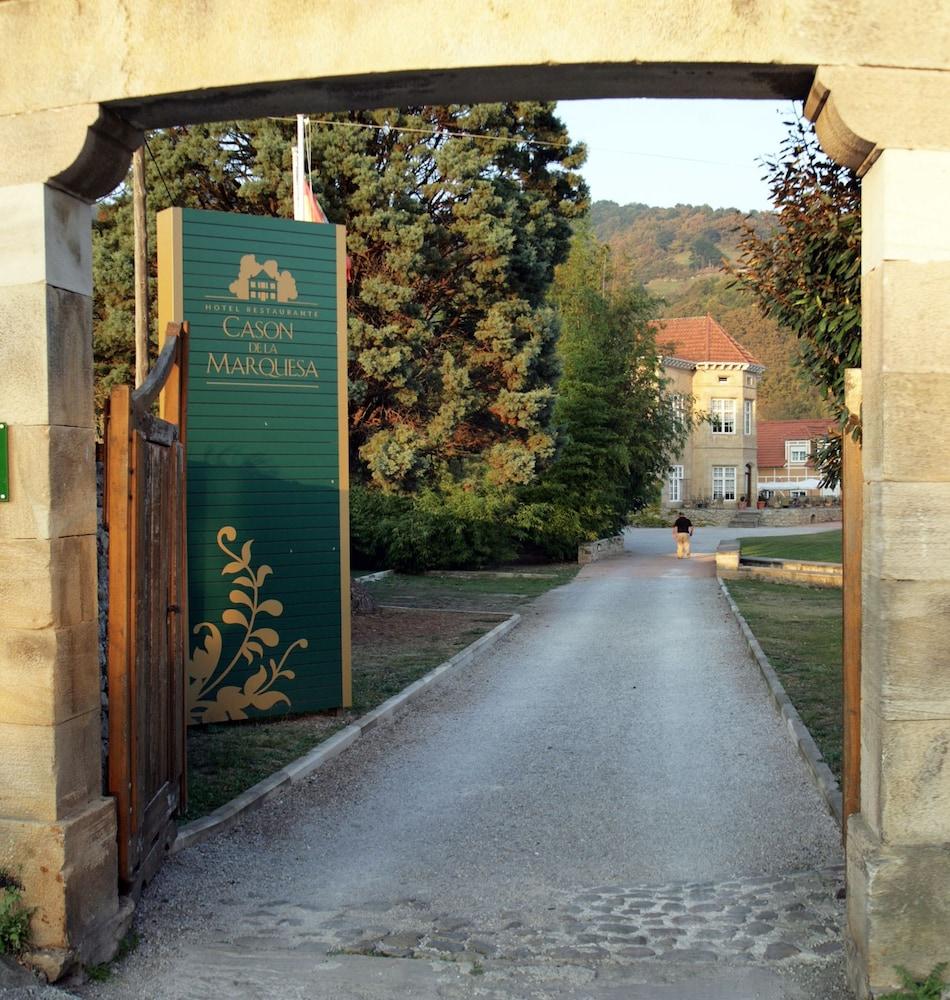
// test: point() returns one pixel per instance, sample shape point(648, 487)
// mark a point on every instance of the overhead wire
point(171, 200)
point(512, 140)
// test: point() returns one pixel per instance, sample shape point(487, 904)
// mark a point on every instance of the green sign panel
point(268, 573)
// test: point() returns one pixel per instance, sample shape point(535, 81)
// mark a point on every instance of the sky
point(665, 153)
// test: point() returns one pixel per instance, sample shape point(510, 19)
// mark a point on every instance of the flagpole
point(299, 169)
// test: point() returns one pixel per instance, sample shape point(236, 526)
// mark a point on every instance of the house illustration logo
point(263, 282)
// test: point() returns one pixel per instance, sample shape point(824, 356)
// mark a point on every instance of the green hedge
point(460, 528)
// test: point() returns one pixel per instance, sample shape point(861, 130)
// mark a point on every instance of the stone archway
point(79, 85)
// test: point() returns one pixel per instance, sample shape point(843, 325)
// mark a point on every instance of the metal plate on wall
point(4, 465)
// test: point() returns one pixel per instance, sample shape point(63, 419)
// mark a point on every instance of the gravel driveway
point(605, 806)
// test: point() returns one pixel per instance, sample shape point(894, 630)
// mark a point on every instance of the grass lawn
point(391, 649)
point(476, 591)
point(800, 630)
point(822, 546)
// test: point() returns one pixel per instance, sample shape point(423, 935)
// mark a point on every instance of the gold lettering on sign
point(268, 367)
point(281, 312)
point(259, 330)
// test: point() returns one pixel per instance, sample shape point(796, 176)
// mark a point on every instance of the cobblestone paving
point(763, 920)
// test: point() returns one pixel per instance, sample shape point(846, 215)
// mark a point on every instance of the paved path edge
point(819, 771)
point(226, 816)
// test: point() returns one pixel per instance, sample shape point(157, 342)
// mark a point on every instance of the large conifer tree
point(456, 217)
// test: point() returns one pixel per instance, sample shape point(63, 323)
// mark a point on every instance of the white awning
point(784, 487)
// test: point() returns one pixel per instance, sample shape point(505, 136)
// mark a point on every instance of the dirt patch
point(394, 647)
point(392, 629)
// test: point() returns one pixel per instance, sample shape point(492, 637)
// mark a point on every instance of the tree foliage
point(806, 273)
point(619, 430)
point(456, 217)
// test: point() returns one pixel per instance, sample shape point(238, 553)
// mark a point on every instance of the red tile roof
point(699, 338)
point(772, 435)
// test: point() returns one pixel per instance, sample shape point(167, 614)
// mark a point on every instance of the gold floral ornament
point(210, 699)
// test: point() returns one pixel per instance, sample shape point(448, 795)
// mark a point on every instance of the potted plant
point(760, 503)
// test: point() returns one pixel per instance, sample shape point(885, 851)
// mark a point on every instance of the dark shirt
point(682, 524)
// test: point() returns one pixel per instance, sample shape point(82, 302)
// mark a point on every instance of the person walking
point(682, 532)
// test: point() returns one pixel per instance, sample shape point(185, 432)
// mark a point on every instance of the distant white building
point(786, 457)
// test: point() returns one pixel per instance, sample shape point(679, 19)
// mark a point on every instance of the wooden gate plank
point(138, 645)
point(177, 617)
point(852, 508)
point(119, 436)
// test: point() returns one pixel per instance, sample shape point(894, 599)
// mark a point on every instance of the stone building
point(719, 378)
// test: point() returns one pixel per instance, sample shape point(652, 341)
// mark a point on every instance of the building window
point(723, 378)
point(747, 417)
point(679, 405)
point(723, 416)
point(724, 482)
point(675, 484)
point(797, 452)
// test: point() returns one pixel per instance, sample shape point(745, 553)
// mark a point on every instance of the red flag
point(312, 206)
point(316, 214)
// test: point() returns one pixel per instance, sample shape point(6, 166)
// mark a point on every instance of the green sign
point(266, 446)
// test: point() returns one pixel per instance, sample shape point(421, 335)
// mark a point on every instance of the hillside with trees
point(679, 254)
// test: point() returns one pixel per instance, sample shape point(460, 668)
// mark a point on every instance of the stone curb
point(820, 772)
point(600, 548)
point(227, 816)
point(371, 577)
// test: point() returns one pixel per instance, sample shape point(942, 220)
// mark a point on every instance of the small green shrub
point(14, 916)
point(930, 988)
point(551, 531)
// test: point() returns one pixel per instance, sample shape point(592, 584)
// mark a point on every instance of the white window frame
point(723, 416)
point(724, 482)
point(798, 447)
point(674, 484)
point(747, 416)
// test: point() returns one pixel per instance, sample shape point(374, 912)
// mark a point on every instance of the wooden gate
point(144, 513)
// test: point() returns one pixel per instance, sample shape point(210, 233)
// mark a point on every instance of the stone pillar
point(893, 127)
point(57, 831)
